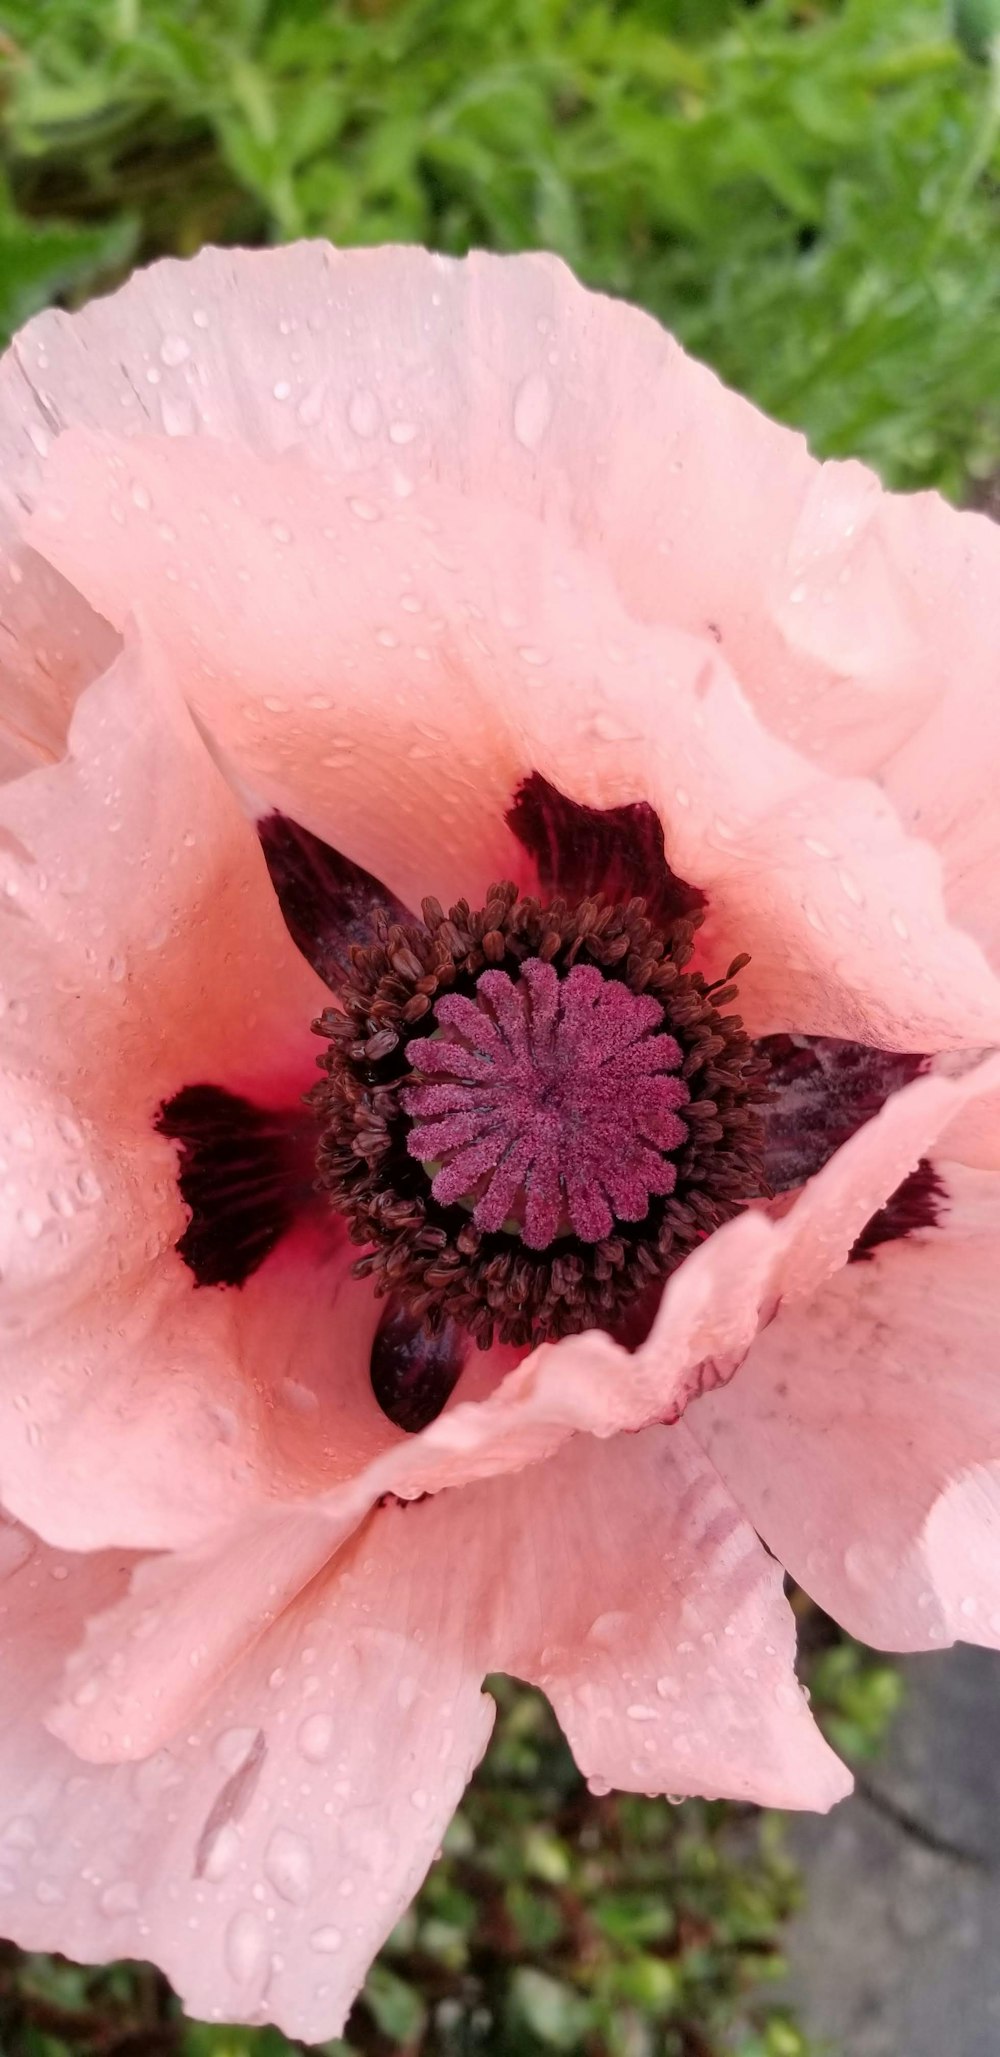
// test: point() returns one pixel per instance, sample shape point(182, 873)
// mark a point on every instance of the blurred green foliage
point(555, 1921)
point(804, 189)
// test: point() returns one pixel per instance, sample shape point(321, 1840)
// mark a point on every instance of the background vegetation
point(806, 191)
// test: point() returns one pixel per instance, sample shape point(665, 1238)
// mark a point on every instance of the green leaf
point(552, 2010)
point(396, 2006)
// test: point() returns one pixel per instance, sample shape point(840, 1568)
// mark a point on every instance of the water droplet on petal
point(21, 1832)
point(288, 1864)
point(532, 409)
point(234, 1746)
point(217, 1859)
point(246, 1946)
point(326, 1940)
point(364, 413)
point(315, 1738)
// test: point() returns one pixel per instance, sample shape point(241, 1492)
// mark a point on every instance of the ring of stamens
point(528, 1113)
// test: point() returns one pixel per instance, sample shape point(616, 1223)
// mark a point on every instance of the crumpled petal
point(262, 1857)
point(641, 1601)
point(862, 1436)
point(279, 594)
point(142, 949)
point(859, 622)
point(262, 1854)
point(137, 1689)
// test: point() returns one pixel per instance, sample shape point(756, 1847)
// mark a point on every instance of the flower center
point(574, 1114)
point(549, 1105)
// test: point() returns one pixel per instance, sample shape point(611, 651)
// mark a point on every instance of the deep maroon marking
point(821, 1091)
point(245, 1173)
point(617, 851)
point(915, 1204)
point(414, 1374)
point(549, 1102)
point(326, 900)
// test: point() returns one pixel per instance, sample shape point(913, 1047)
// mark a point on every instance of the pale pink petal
point(859, 623)
point(639, 1598)
point(848, 614)
point(137, 1690)
point(263, 1856)
point(143, 950)
point(862, 1436)
point(403, 736)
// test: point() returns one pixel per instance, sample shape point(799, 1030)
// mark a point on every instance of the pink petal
point(854, 619)
point(336, 705)
point(144, 950)
point(640, 1599)
point(264, 1855)
point(136, 1691)
point(862, 1436)
point(619, 1575)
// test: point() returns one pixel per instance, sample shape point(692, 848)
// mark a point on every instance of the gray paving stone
point(897, 1950)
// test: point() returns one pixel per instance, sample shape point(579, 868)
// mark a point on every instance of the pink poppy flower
point(340, 590)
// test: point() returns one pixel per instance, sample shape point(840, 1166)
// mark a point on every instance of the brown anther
point(433, 1257)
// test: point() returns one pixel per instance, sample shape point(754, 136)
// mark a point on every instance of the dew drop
point(403, 431)
point(364, 510)
point(288, 1864)
point(233, 1747)
point(607, 730)
point(280, 532)
point(221, 1853)
point(21, 1833)
point(315, 1738)
point(281, 389)
point(326, 1940)
point(532, 409)
point(177, 416)
point(246, 1946)
point(120, 1898)
point(364, 413)
point(200, 318)
point(310, 407)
